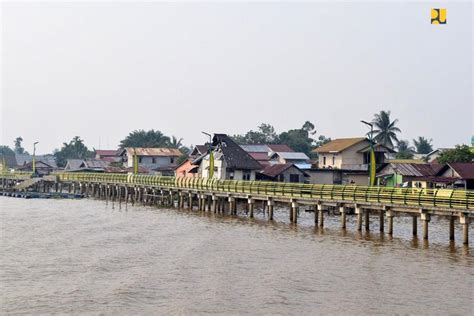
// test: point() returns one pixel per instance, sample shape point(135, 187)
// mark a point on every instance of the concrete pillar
point(367, 220)
point(451, 227)
point(415, 225)
point(214, 203)
point(294, 212)
point(251, 207)
point(464, 220)
point(342, 210)
point(359, 213)
point(390, 214)
point(425, 218)
point(320, 215)
point(190, 201)
point(381, 220)
point(231, 200)
point(270, 205)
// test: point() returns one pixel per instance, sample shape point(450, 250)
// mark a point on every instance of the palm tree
point(175, 142)
point(385, 130)
point(405, 151)
point(423, 145)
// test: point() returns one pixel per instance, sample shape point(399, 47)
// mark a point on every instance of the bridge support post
point(251, 206)
point(214, 203)
point(367, 219)
point(359, 213)
point(390, 214)
point(190, 201)
point(464, 220)
point(381, 220)
point(294, 212)
point(270, 204)
point(414, 225)
point(342, 210)
point(320, 215)
point(451, 227)
point(231, 200)
point(425, 218)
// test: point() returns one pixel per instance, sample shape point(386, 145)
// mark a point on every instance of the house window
point(333, 160)
point(294, 178)
point(153, 160)
point(324, 160)
point(281, 178)
point(246, 175)
point(172, 160)
point(139, 159)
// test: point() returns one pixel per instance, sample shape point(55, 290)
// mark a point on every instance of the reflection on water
point(88, 257)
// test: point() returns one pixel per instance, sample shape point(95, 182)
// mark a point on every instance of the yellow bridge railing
point(414, 197)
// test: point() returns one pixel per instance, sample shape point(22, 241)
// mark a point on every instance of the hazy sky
point(101, 70)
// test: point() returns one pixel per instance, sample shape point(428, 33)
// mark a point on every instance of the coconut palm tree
point(175, 142)
point(385, 130)
point(405, 151)
point(423, 145)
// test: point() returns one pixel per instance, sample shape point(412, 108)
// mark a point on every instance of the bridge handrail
point(416, 197)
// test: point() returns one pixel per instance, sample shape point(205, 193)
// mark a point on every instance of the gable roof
point(339, 144)
point(415, 169)
point(38, 165)
point(10, 161)
point(276, 169)
point(291, 155)
point(464, 169)
point(22, 159)
point(199, 150)
point(234, 156)
point(155, 152)
point(266, 148)
point(107, 152)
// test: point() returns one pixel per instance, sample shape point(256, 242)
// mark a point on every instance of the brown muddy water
point(83, 256)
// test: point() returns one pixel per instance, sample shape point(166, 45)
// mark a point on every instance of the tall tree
point(75, 149)
point(462, 153)
point(265, 134)
point(147, 139)
point(175, 142)
point(385, 129)
point(5, 150)
point(423, 145)
point(405, 151)
point(18, 148)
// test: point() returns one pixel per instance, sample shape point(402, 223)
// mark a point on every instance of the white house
point(161, 160)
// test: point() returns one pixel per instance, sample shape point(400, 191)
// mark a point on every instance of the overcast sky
point(102, 70)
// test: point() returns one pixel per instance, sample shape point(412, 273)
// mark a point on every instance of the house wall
point(321, 177)
point(292, 170)
point(344, 159)
point(147, 161)
point(183, 170)
point(357, 179)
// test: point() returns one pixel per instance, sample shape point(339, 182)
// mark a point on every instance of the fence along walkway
point(442, 199)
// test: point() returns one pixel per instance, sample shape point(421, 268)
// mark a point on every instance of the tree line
point(304, 139)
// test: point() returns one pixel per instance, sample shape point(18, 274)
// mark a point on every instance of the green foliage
point(18, 148)
point(7, 151)
point(298, 139)
point(462, 153)
point(265, 134)
point(75, 149)
point(385, 129)
point(405, 151)
point(423, 145)
point(147, 139)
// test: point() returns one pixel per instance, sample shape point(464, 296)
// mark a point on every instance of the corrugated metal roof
point(259, 156)
point(256, 148)
point(292, 155)
point(107, 152)
point(414, 169)
point(340, 144)
point(464, 169)
point(280, 148)
point(165, 152)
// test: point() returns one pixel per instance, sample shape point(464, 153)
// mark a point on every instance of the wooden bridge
point(224, 196)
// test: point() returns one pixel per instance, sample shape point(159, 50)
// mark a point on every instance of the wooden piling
point(451, 227)
point(414, 225)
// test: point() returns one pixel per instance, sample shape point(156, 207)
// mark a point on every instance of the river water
point(83, 256)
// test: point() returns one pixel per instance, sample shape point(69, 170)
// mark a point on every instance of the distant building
point(287, 172)
point(230, 161)
point(23, 159)
point(187, 169)
point(433, 156)
point(396, 174)
point(263, 152)
point(297, 158)
point(7, 162)
point(158, 160)
point(108, 155)
point(86, 165)
point(463, 172)
point(349, 154)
